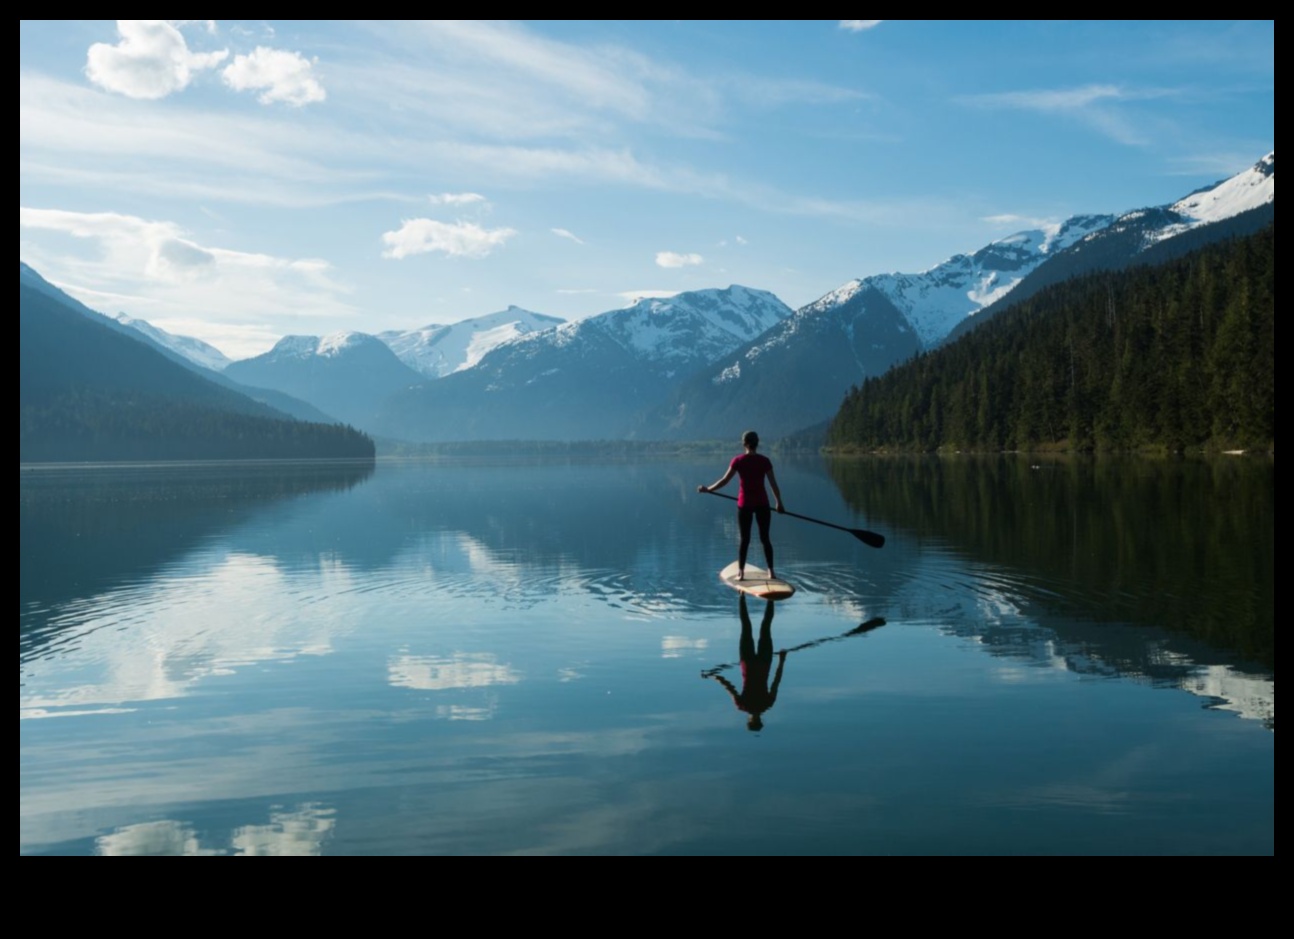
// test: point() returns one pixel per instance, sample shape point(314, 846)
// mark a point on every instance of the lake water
point(536, 656)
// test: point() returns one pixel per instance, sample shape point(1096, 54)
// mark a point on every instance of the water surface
point(535, 656)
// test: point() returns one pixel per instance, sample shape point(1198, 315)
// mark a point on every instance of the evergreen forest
point(1168, 358)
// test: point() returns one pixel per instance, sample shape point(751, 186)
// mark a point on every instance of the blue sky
point(241, 181)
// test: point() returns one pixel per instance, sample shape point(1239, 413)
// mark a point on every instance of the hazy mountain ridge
point(346, 374)
point(277, 400)
point(91, 389)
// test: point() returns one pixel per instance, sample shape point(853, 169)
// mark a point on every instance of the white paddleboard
point(756, 582)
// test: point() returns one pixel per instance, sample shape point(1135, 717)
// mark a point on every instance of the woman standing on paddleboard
point(752, 501)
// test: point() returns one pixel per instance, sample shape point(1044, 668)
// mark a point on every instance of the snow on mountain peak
point(440, 350)
point(335, 344)
point(692, 325)
point(1247, 190)
point(195, 350)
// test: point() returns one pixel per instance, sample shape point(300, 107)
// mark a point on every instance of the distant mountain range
point(583, 380)
point(708, 364)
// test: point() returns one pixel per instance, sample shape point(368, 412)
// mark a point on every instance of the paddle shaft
point(869, 538)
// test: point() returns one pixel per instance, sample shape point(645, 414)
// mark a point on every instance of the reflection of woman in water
point(756, 695)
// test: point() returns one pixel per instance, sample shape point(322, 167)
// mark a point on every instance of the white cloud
point(1025, 221)
point(155, 271)
point(857, 26)
point(156, 248)
point(456, 239)
point(563, 233)
point(633, 296)
point(674, 259)
point(457, 198)
point(151, 60)
point(284, 76)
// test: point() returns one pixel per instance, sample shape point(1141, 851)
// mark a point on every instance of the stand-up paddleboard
point(757, 583)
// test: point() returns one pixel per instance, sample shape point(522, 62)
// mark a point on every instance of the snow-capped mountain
point(436, 351)
point(936, 300)
point(345, 374)
point(195, 350)
point(1254, 187)
point(679, 333)
point(795, 375)
point(1239, 205)
point(584, 379)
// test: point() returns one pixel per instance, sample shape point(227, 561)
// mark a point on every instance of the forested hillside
point(1173, 357)
point(87, 392)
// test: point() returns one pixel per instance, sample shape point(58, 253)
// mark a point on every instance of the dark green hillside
point(1174, 357)
point(88, 392)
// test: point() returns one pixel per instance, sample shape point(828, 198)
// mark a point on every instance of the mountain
point(436, 351)
point(277, 400)
point(587, 379)
point(89, 389)
point(1240, 205)
point(1165, 357)
point(346, 374)
point(195, 350)
point(797, 374)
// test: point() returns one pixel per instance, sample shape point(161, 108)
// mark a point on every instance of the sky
point(239, 181)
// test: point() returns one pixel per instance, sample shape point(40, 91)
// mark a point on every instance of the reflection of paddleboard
point(757, 583)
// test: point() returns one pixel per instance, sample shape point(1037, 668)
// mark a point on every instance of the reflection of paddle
point(858, 630)
point(873, 623)
point(869, 538)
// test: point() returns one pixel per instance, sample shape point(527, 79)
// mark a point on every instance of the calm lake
point(536, 656)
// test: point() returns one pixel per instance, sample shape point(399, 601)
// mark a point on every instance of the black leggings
point(761, 514)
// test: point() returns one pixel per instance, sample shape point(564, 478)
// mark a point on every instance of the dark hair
point(750, 439)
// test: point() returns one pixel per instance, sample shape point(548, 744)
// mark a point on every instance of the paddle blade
point(869, 538)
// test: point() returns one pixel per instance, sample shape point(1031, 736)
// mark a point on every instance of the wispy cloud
point(457, 198)
point(1058, 99)
point(675, 259)
point(1019, 221)
point(455, 239)
point(280, 76)
point(857, 26)
point(1099, 106)
point(150, 60)
point(563, 233)
point(633, 296)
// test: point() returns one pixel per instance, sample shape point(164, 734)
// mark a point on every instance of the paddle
point(869, 538)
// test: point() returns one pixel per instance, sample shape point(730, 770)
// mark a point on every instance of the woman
point(752, 501)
